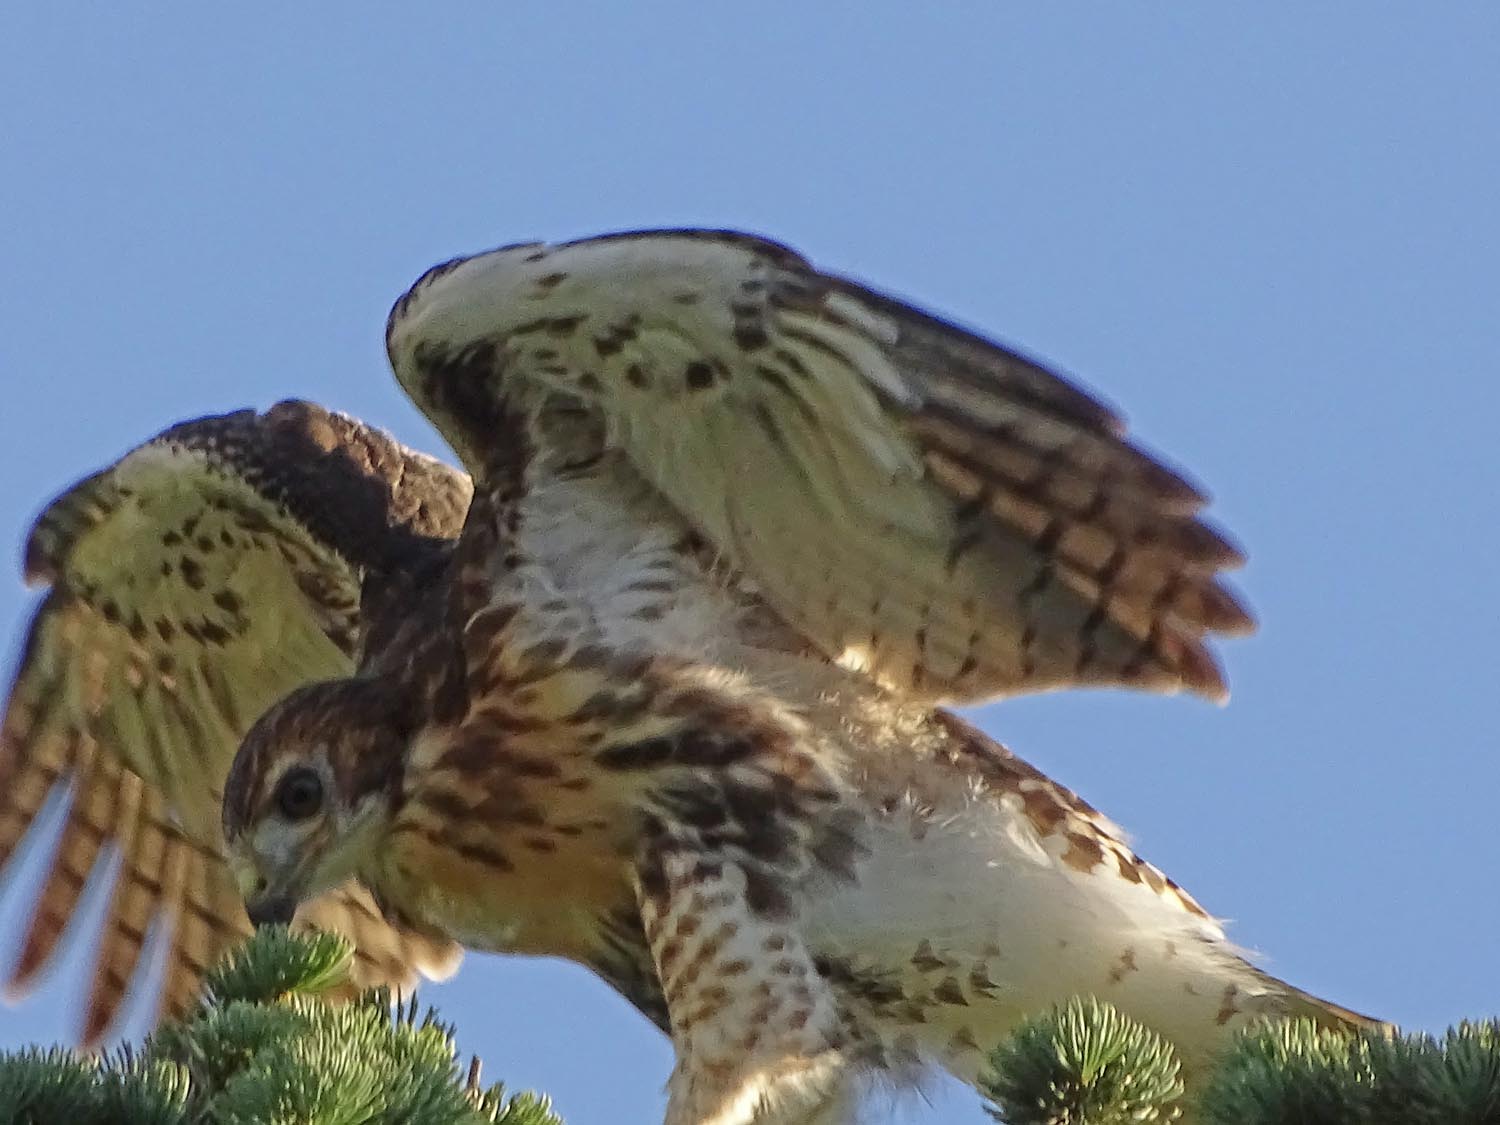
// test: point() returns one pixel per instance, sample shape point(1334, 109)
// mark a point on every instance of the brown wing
point(926, 506)
point(193, 583)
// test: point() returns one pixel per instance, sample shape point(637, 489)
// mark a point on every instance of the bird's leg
point(758, 1035)
point(740, 807)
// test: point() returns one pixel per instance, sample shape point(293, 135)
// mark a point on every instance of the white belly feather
point(960, 902)
point(981, 923)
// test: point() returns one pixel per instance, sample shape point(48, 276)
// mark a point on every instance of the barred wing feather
point(194, 583)
point(925, 506)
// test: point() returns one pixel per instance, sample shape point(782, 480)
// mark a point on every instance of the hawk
point(671, 703)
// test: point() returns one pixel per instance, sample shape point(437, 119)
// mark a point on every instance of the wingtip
point(1226, 614)
point(95, 1030)
point(108, 1007)
point(1216, 694)
point(37, 567)
point(50, 536)
point(61, 522)
point(1201, 674)
point(33, 962)
point(37, 959)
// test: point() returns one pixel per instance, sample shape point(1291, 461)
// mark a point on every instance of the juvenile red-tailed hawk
point(669, 704)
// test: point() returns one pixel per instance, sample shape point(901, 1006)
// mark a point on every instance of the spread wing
point(922, 504)
point(193, 583)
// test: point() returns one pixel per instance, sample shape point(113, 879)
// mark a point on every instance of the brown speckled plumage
point(147, 662)
point(668, 708)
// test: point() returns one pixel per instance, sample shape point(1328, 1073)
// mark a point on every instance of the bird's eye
point(299, 794)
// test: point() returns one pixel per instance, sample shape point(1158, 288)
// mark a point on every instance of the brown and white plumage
point(738, 527)
point(926, 506)
point(190, 585)
point(667, 706)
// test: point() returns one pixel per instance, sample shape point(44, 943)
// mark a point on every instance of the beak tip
point(271, 911)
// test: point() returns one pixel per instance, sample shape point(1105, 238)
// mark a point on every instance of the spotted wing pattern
point(192, 584)
point(926, 506)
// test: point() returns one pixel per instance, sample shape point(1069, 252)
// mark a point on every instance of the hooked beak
point(271, 910)
point(267, 905)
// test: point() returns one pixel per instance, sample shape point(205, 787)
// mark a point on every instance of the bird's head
point(311, 790)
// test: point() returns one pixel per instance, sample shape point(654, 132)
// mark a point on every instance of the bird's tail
point(1304, 1005)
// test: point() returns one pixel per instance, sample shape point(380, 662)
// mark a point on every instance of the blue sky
point(1272, 242)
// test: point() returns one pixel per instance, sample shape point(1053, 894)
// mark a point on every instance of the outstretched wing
point(194, 583)
point(924, 505)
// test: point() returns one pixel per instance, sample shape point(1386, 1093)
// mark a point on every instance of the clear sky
point(1271, 240)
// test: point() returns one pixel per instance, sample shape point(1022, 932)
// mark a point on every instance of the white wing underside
point(925, 507)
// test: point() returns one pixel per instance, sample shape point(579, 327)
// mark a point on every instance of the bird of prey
point(671, 703)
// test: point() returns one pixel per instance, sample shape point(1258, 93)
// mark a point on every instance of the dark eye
point(300, 793)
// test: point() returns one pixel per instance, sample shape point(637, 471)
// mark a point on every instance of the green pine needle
point(146, 1093)
point(225, 1040)
point(277, 1052)
point(1472, 1073)
point(1421, 1081)
point(266, 1048)
point(522, 1109)
point(302, 1083)
point(44, 1086)
point(1291, 1071)
point(276, 962)
point(1083, 1064)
